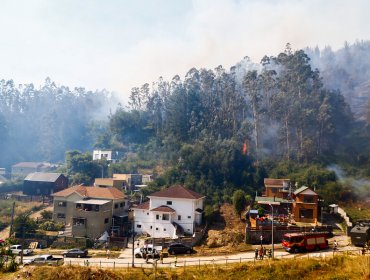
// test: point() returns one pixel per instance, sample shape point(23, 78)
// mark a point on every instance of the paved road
point(125, 259)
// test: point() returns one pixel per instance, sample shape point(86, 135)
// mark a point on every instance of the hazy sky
point(117, 45)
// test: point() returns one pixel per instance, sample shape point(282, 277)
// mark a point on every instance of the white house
point(171, 213)
point(109, 155)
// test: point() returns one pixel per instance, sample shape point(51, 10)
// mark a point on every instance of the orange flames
point(245, 147)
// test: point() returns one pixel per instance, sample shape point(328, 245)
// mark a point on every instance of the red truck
point(304, 241)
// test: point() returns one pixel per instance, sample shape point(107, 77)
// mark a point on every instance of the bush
point(46, 215)
point(51, 226)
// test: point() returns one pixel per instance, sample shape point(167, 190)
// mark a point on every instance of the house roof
point(143, 206)
point(163, 208)
point(177, 192)
point(269, 182)
point(28, 164)
point(43, 177)
point(305, 190)
point(93, 192)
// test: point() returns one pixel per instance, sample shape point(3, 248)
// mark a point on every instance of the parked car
point(75, 253)
point(44, 260)
point(17, 250)
point(179, 248)
point(149, 250)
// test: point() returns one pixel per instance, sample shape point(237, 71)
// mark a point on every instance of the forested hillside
point(225, 129)
point(212, 130)
point(40, 124)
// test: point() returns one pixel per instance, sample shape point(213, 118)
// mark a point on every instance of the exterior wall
point(120, 206)
point(109, 182)
point(94, 221)
point(271, 192)
point(102, 154)
point(301, 205)
point(146, 222)
point(185, 216)
point(68, 210)
point(61, 183)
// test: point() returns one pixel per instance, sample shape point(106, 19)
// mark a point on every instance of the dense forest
point(215, 131)
point(40, 124)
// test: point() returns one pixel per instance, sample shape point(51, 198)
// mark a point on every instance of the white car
point(17, 250)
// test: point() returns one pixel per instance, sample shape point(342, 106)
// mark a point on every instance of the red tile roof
point(163, 208)
point(92, 192)
point(177, 192)
point(143, 206)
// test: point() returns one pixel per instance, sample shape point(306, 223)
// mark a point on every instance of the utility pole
point(133, 244)
point(12, 221)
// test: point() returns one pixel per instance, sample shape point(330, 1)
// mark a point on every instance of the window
point(189, 217)
point(61, 216)
point(78, 221)
point(62, 203)
point(306, 213)
point(96, 208)
point(156, 228)
point(166, 217)
point(106, 220)
point(151, 227)
point(273, 190)
point(179, 217)
point(116, 206)
point(138, 226)
point(169, 202)
point(147, 213)
point(157, 217)
point(308, 199)
point(164, 229)
point(78, 205)
point(121, 204)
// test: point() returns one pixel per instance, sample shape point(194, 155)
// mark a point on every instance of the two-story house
point(89, 211)
point(305, 205)
point(170, 213)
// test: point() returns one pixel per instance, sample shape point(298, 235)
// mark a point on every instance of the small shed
point(333, 208)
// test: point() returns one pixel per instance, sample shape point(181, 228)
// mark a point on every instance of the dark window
point(166, 217)
point(308, 199)
point(306, 213)
point(62, 203)
point(106, 220)
point(273, 190)
point(157, 217)
point(138, 226)
point(151, 227)
point(164, 229)
point(116, 205)
point(61, 216)
point(189, 217)
point(121, 204)
point(78, 205)
point(156, 228)
point(179, 217)
point(169, 203)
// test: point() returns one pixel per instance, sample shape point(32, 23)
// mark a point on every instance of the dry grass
point(341, 267)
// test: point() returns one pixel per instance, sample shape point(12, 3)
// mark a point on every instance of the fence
point(197, 263)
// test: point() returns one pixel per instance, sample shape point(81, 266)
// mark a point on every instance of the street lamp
point(271, 203)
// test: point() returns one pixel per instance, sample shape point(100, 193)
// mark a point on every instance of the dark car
point(179, 248)
point(75, 253)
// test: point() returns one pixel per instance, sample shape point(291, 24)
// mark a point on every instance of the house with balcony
point(169, 213)
point(300, 204)
point(90, 211)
